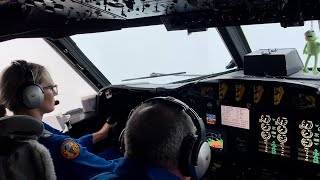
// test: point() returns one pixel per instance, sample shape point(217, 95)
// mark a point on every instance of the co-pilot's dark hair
point(154, 133)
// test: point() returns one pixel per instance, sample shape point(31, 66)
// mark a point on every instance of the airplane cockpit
point(260, 109)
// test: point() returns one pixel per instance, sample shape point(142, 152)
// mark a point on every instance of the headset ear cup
point(32, 96)
point(185, 164)
point(121, 141)
point(203, 159)
point(121, 137)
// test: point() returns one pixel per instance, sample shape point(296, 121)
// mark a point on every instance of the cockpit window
point(271, 36)
point(135, 53)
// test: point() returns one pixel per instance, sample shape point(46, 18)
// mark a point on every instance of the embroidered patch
point(47, 135)
point(70, 149)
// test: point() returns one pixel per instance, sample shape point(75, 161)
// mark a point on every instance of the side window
point(71, 86)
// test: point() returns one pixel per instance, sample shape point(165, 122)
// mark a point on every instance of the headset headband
point(27, 71)
point(197, 121)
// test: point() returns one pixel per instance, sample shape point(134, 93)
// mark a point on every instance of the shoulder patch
point(70, 149)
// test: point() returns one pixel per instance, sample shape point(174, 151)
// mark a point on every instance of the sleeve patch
point(70, 149)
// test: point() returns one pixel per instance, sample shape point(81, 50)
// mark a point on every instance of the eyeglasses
point(53, 88)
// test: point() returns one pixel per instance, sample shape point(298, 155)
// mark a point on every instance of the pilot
point(158, 142)
point(21, 85)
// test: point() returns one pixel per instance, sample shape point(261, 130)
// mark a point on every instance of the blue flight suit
point(129, 169)
point(71, 157)
point(108, 154)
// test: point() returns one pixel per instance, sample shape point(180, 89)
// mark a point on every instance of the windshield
point(270, 36)
point(138, 52)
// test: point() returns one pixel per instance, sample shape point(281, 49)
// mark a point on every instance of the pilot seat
point(21, 155)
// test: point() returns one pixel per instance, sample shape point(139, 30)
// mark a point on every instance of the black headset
point(195, 154)
point(30, 93)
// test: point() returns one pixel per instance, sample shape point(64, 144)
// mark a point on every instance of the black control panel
point(256, 129)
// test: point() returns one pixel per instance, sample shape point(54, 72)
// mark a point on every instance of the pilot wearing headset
point(163, 139)
point(28, 89)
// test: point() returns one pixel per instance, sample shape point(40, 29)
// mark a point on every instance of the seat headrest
point(20, 127)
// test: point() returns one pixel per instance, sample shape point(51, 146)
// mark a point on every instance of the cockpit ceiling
point(228, 10)
point(61, 18)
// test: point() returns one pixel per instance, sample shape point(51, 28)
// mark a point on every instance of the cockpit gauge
point(307, 133)
point(282, 129)
point(306, 124)
point(274, 135)
point(265, 135)
point(281, 121)
point(282, 138)
point(215, 139)
point(307, 143)
point(265, 119)
point(265, 127)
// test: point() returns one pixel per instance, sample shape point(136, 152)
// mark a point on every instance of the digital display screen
point(308, 147)
point(274, 135)
point(211, 118)
point(235, 116)
point(215, 139)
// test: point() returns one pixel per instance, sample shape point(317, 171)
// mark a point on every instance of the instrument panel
point(258, 129)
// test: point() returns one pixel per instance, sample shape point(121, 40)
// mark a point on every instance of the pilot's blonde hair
point(12, 79)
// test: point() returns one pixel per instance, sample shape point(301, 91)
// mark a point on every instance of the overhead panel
point(111, 9)
point(226, 10)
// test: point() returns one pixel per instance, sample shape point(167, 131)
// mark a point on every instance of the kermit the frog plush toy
point(312, 48)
